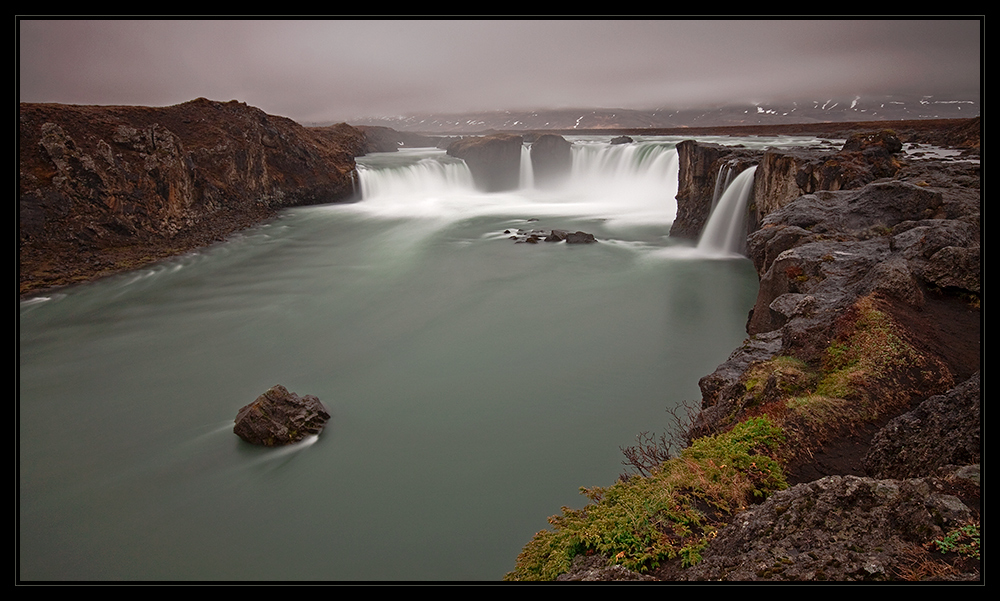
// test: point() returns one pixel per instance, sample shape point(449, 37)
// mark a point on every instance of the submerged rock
point(279, 417)
point(537, 235)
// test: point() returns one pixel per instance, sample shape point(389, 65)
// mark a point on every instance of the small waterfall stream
point(726, 232)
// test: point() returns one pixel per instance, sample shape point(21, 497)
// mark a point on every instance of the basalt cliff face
point(864, 345)
point(108, 188)
point(494, 160)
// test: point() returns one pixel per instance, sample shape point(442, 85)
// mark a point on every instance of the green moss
point(641, 522)
point(867, 352)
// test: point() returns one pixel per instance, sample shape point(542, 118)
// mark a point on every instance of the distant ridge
point(855, 108)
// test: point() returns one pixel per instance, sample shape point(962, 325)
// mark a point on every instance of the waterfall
point(426, 175)
point(722, 182)
point(726, 231)
point(527, 171)
point(628, 184)
point(642, 160)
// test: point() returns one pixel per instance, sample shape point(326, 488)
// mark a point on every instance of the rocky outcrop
point(534, 236)
point(385, 139)
point(943, 430)
point(279, 417)
point(785, 175)
point(108, 188)
point(699, 165)
point(494, 161)
point(845, 528)
point(906, 249)
point(782, 175)
point(551, 160)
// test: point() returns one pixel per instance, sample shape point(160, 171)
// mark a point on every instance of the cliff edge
point(104, 189)
point(841, 441)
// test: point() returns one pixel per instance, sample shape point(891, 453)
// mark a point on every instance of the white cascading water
point(630, 184)
point(722, 182)
point(725, 232)
point(527, 171)
point(425, 176)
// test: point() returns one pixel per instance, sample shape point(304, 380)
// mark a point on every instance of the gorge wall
point(863, 348)
point(104, 188)
point(868, 311)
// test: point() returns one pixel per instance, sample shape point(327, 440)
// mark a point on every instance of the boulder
point(839, 528)
point(943, 430)
point(279, 417)
point(537, 235)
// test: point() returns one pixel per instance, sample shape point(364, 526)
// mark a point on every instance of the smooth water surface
point(475, 384)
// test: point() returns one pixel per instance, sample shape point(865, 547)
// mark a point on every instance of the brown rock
point(279, 417)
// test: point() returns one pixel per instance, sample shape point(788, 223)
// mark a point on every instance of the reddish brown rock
point(279, 417)
point(104, 189)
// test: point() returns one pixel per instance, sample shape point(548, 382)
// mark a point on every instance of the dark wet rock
point(871, 210)
point(538, 235)
point(885, 139)
point(580, 238)
point(279, 417)
point(838, 528)
point(551, 160)
point(943, 430)
point(494, 160)
point(699, 167)
point(621, 140)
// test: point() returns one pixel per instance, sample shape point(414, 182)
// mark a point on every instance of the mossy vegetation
point(788, 407)
point(643, 521)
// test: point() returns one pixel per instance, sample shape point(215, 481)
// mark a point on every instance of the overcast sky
point(336, 70)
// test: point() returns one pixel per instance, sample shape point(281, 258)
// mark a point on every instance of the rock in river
point(279, 417)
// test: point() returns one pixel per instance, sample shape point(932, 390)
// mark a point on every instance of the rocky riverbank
point(863, 350)
point(104, 189)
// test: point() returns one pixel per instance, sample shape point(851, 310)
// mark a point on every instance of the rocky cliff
point(108, 188)
point(863, 348)
point(551, 160)
point(868, 306)
point(494, 160)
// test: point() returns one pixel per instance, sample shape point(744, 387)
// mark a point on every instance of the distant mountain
point(857, 108)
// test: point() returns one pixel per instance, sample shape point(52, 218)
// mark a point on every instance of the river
point(475, 384)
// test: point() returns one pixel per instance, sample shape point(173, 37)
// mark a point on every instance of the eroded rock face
point(698, 167)
point(943, 430)
point(107, 188)
point(838, 528)
point(913, 246)
point(551, 160)
point(494, 161)
point(279, 417)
